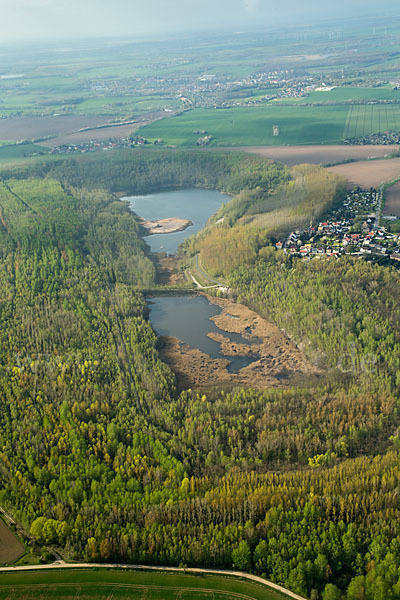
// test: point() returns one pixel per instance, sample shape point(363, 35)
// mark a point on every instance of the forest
point(104, 459)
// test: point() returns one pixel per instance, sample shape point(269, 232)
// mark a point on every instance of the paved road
point(378, 208)
point(63, 565)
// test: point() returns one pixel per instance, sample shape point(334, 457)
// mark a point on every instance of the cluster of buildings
point(209, 89)
point(353, 229)
point(384, 138)
point(96, 145)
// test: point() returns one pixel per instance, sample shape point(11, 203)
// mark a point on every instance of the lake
point(188, 318)
point(196, 205)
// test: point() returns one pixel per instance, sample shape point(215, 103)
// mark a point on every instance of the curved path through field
point(60, 564)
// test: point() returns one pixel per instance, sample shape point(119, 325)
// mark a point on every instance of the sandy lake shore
point(170, 225)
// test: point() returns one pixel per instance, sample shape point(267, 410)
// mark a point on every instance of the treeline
point(139, 172)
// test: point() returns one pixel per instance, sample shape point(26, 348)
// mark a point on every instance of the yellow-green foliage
point(252, 216)
point(309, 194)
point(223, 249)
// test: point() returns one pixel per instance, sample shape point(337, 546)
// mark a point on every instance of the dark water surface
point(196, 205)
point(188, 319)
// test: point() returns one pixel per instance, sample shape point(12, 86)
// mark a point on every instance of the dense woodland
point(101, 456)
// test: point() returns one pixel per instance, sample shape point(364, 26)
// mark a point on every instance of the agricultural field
point(10, 546)
point(29, 128)
point(253, 126)
point(132, 585)
point(102, 133)
point(320, 155)
point(121, 81)
point(16, 151)
point(298, 125)
point(363, 119)
point(392, 200)
point(355, 94)
point(367, 173)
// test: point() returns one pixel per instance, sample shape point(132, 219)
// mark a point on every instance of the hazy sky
point(26, 19)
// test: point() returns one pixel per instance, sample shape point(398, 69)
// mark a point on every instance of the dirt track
point(368, 174)
point(319, 155)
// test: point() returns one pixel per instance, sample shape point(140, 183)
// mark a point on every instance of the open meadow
point(124, 585)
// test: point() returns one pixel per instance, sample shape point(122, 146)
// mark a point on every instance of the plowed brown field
point(319, 155)
point(368, 174)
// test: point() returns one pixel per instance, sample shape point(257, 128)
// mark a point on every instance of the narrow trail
point(3, 221)
point(205, 275)
point(202, 287)
point(25, 204)
point(61, 565)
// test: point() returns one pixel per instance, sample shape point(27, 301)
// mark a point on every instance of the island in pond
point(170, 225)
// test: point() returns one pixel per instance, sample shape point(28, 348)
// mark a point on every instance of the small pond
point(188, 318)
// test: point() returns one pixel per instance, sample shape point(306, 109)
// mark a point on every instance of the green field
point(253, 126)
point(11, 151)
point(355, 94)
point(132, 585)
point(364, 119)
point(297, 124)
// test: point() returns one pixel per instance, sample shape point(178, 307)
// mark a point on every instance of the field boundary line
point(61, 565)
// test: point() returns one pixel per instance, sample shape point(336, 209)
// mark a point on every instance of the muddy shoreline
point(278, 361)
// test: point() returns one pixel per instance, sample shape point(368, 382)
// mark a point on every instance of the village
point(354, 228)
point(96, 145)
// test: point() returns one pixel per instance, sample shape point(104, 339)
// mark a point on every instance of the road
point(201, 287)
point(205, 275)
point(59, 564)
point(7, 516)
point(378, 208)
